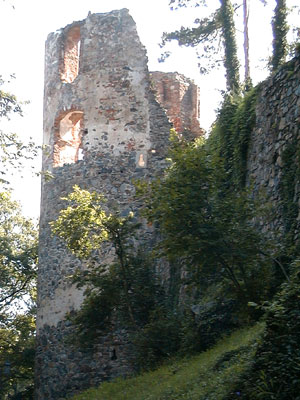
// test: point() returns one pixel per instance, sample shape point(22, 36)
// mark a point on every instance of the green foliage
point(124, 291)
point(231, 135)
point(18, 256)
point(205, 322)
point(8, 103)
point(207, 30)
point(221, 141)
point(277, 363)
point(17, 350)
point(106, 302)
point(13, 150)
point(82, 224)
point(95, 315)
point(207, 33)
point(211, 375)
point(280, 30)
point(231, 61)
point(206, 223)
point(185, 3)
point(290, 176)
point(158, 340)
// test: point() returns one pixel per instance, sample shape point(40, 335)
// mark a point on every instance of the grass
point(212, 375)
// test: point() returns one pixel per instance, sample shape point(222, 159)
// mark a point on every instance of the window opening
point(141, 160)
point(80, 154)
point(67, 148)
point(71, 55)
point(113, 354)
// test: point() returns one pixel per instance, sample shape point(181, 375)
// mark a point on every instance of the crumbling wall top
point(180, 97)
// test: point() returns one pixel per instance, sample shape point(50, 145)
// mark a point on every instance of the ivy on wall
point(280, 29)
point(288, 185)
point(231, 135)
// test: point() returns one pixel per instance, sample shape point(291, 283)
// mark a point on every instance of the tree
point(280, 30)
point(275, 370)
point(17, 351)
point(128, 283)
point(220, 23)
point(18, 255)
point(126, 292)
point(206, 222)
point(13, 150)
point(231, 62)
point(246, 43)
point(18, 236)
point(18, 258)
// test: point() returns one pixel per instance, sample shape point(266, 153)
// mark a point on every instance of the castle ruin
point(103, 127)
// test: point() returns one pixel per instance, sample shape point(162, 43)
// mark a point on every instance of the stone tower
point(103, 127)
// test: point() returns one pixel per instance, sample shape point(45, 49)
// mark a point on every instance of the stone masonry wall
point(103, 128)
point(277, 128)
point(180, 97)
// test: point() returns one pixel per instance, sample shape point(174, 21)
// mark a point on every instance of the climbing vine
point(231, 61)
point(231, 134)
point(290, 176)
point(280, 30)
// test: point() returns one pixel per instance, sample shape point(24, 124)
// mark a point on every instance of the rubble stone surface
point(103, 128)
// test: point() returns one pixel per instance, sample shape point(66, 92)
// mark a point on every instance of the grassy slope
point(212, 375)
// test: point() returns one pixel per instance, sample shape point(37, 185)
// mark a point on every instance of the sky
point(25, 24)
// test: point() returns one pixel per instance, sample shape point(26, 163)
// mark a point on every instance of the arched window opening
point(141, 160)
point(67, 147)
point(71, 55)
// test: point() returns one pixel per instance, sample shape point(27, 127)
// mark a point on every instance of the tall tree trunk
point(246, 43)
point(231, 61)
point(280, 30)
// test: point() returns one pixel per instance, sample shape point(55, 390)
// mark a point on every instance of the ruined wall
point(103, 128)
point(274, 148)
point(180, 97)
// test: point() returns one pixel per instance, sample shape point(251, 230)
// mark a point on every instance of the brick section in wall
point(180, 97)
point(71, 50)
point(67, 146)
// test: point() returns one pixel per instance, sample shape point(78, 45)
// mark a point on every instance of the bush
point(276, 373)
point(206, 322)
point(158, 340)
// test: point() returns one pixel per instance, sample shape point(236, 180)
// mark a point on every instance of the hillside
point(211, 375)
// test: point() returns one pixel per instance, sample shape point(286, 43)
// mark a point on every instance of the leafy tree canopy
point(204, 221)
point(17, 350)
point(18, 257)
point(88, 229)
point(13, 150)
point(208, 32)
